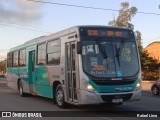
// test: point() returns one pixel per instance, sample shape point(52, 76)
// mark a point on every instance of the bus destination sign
point(108, 33)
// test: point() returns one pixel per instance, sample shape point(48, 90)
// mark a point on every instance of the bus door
point(71, 74)
point(31, 69)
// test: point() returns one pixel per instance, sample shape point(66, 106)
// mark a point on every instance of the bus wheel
point(118, 104)
point(21, 93)
point(59, 96)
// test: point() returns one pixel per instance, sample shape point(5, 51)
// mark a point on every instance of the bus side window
point(15, 59)
point(22, 57)
point(41, 56)
point(53, 52)
point(10, 59)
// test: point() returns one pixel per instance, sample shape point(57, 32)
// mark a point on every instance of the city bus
point(80, 65)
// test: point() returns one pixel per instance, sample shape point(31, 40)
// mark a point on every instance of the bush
point(150, 75)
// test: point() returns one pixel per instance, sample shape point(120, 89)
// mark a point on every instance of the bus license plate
point(117, 100)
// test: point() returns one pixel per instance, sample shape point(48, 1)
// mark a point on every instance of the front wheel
point(59, 96)
point(117, 104)
point(155, 90)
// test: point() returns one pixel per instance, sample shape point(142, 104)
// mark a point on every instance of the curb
point(3, 84)
point(148, 81)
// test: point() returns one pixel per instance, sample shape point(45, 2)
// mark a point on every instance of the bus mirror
point(79, 47)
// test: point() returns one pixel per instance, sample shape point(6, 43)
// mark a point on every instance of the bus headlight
point(138, 86)
point(90, 88)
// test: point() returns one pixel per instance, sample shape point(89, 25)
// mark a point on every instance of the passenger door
point(32, 74)
point(71, 74)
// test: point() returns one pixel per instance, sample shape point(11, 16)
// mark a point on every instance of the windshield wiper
point(102, 50)
point(119, 50)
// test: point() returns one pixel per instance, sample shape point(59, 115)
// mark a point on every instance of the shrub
point(150, 75)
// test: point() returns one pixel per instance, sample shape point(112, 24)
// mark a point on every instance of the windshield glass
point(110, 59)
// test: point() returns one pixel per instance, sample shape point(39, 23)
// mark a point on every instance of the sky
point(23, 20)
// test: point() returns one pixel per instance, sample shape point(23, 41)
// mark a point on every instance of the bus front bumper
point(98, 98)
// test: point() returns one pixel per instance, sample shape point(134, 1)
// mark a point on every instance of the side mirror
point(79, 47)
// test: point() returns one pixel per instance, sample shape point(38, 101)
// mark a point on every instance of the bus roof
point(58, 34)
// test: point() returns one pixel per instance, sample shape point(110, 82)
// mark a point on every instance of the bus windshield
point(108, 58)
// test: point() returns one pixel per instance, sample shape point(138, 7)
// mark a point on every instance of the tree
point(148, 64)
point(3, 66)
point(124, 20)
point(125, 16)
point(138, 36)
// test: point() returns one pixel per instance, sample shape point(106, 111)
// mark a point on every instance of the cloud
point(22, 11)
point(3, 54)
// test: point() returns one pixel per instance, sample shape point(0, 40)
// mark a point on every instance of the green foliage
point(148, 63)
point(150, 75)
point(3, 66)
point(125, 16)
point(150, 67)
point(138, 36)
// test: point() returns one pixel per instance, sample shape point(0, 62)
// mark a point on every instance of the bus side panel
point(10, 82)
point(45, 91)
point(43, 83)
point(14, 78)
point(55, 74)
point(23, 75)
point(42, 76)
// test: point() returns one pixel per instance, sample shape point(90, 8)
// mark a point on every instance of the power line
point(7, 22)
point(69, 5)
point(23, 28)
point(88, 7)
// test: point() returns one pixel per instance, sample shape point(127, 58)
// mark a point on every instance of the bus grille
point(110, 82)
point(108, 98)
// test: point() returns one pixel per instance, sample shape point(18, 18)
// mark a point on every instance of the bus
point(79, 65)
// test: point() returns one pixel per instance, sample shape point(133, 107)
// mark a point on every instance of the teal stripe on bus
point(112, 89)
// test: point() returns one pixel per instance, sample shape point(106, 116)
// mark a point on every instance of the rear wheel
point(155, 90)
point(21, 93)
point(59, 96)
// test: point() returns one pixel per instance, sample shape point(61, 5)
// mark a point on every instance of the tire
point(21, 93)
point(155, 90)
point(118, 104)
point(110, 104)
point(59, 97)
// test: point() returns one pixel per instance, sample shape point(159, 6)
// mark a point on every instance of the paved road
point(11, 101)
